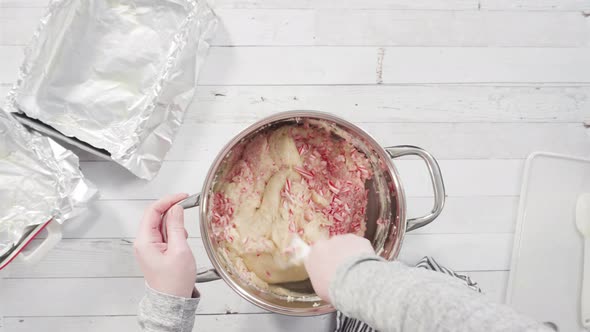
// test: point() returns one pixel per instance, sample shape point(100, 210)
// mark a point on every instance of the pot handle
point(207, 275)
point(189, 203)
point(54, 235)
point(438, 185)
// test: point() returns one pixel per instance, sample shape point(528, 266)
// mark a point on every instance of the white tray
point(546, 272)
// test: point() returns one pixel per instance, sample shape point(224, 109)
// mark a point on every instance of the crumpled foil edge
point(140, 157)
point(74, 190)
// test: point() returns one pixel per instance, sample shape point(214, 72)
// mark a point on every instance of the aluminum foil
point(117, 75)
point(39, 181)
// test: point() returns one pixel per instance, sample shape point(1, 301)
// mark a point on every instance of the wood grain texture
point(104, 296)
point(383, 104)
point(445, 141)
point(116, 219)
point(328, 27)
point(242, 323)
point(119, 296)
point(393, 104)
point(528, 5)
point(280, 4)
point(473, 65)
point(331, 65)
point(400, 65)
point(462, 178)
point(23, 3)
point(400, 28)
point(350, 4)
point(12, 58)
point(104, 258)
point(520, 5)
point(479, 83)
point(410, 103)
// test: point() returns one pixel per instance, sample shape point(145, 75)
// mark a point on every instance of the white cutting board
point(546, 273)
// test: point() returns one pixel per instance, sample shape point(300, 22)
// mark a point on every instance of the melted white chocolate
point(287, 182)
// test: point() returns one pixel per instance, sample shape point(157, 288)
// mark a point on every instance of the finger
point(161, 247)
point(149, 251)
point(149, 229)
point(175, 227)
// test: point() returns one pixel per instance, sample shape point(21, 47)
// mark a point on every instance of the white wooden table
point(479, 83)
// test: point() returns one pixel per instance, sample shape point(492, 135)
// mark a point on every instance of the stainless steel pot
point(386, 203)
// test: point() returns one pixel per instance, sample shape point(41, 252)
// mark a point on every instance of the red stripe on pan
point(31, 238)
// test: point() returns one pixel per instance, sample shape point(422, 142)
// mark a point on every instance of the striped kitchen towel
point(347, 324)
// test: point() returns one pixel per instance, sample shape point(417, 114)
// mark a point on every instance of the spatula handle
point(585, 294)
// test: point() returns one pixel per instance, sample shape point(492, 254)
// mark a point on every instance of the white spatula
point(583, 223)
point(298, 250)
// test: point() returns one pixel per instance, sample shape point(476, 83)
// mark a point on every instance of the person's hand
point(168, 267)
point(327, 255)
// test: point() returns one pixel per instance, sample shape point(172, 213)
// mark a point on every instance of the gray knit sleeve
point(160, 312)
point(391, 296)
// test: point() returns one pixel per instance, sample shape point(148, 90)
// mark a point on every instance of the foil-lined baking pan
point(114, 76)
point(40, 181)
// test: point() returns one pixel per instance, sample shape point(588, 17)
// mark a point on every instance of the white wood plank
point(242, 323)
point(414, 103)
point(12, 57)
point(483, 214)
point(501, 141)
point(575, 5)
point(450, 28)
point(4, 89)
point(354, 4)
point(23, 3)
point(391, 103)
point(76, 258)
point(289, 65)
point(357, 4)
point(332, 65)
point(93, 259)
point(17, 25)
point(492, 283)
point(472, 65)
point(445, 141)
point(331, 27)
point(117, 220)
point(525, 5)
point(120, 296)
point(104, 296)
point(461, 252)
point(462, 178)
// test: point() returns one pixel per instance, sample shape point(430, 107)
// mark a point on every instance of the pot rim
point(209, 180)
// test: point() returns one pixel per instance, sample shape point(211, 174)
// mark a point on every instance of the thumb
point(175, 227)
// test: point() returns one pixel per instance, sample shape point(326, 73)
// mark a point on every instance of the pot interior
point(385, 211)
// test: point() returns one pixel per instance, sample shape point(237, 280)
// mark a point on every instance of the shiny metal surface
point(187, 203)
point(207, 276)
point(117, 75)
point(386, 201)
point(190, 202)
point(438, 186)
point(39, 181)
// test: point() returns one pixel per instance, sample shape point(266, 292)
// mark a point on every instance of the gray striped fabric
point(347, 324)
